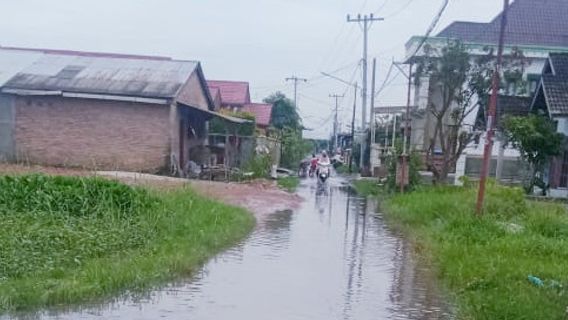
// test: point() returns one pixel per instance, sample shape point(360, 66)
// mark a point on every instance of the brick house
point(101, 111)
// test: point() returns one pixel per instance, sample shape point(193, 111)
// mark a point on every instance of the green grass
point(344, 169)
point(484, 262)
point(68, 240)
point(367, 188)
point(288, 183)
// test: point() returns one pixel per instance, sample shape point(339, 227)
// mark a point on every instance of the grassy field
point(67, 240)
point(288, 183)
point(485, 262)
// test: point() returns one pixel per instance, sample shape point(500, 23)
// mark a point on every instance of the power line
point(381, 7)
point(314, 99)
point(399, 11)
point(431, 27)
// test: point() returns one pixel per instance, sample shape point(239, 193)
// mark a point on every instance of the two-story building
point(535, 27)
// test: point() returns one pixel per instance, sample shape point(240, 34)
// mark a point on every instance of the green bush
point(259, 166)
point(415, 163)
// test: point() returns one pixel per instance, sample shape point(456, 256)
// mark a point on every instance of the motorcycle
point(324, 172)
point(303, 171)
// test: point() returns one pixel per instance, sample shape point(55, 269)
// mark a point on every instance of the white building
point(535, 27)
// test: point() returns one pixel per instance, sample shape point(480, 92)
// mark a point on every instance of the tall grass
point(367, 187)
point(485, 262)
point(289, 184)
point(67, 240)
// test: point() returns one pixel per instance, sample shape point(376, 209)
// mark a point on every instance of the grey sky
point(251, 40)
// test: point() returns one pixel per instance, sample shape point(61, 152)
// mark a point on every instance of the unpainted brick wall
point(94, 134)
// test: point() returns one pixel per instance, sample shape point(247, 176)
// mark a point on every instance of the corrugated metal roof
point(12, 62)
point(100, 74)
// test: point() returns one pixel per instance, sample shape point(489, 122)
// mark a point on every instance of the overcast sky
point(259, 41)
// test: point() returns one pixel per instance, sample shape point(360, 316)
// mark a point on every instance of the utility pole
point(296, 79)
point(353, 127)
point(405, 154)
point(372, 120)
point(365, 22)
point(336, 97)
point(488, 151)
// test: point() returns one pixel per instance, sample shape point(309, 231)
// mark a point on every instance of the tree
point(537, 140)
point(284, 114)
point(294, 148)
point(463, 85)
point(288, 125)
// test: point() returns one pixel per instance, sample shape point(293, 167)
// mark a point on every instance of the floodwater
point(334, 258)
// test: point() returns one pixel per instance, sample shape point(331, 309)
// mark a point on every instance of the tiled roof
point(556, 93)
point(553, 91)
point(232, 92)
point(261, 111)
point(530, 22)
point(506, 106)
point(559, 62)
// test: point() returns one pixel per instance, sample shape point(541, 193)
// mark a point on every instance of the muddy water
point(332, 259)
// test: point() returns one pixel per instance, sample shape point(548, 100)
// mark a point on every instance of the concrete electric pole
point(335, 126)
point(296, 79)
point(365, 22)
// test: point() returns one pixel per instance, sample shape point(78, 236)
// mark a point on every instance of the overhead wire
point(432, 26)
point(381, 7)
point(399, 11)
point(429, 31)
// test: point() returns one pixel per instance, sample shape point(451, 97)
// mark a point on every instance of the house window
point(533, 86)
point(564, 172)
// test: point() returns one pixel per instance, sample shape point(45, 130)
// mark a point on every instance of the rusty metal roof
point(97, 74)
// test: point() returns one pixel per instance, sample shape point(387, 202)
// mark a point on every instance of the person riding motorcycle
point(313, 164)
point(323, 163)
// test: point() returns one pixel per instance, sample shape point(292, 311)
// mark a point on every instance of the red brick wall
point(105, 135)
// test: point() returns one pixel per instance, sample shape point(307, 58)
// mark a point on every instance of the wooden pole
point(488, 150)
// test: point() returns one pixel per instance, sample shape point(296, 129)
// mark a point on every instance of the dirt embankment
point(260, 197)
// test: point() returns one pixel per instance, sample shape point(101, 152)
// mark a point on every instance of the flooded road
point(334, 258)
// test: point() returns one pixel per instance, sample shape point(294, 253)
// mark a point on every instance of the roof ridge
point(93, 54)
point(232, 81)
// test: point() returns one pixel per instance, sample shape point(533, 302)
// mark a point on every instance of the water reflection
point(332, 259)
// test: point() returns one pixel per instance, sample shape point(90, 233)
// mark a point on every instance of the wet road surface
point(334, 258)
